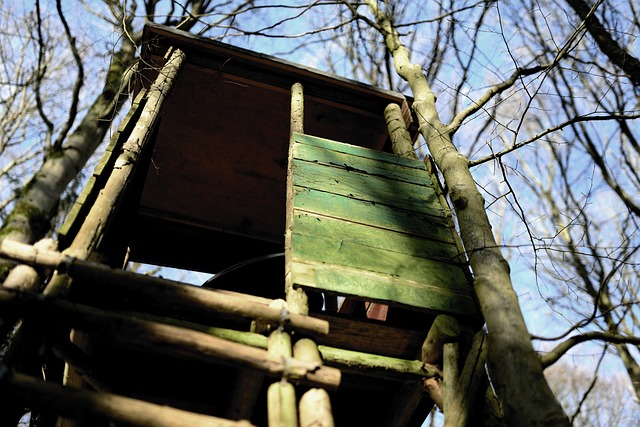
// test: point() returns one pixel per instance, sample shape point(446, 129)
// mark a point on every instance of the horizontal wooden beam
point(355, 362)
point(173, 295)
point(72, 402)
point(158, 337)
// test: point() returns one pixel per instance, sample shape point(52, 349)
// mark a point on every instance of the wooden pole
point(107, 202)
point(401, 143)
point(281, 395)
point(315, 409)
point(158, 337)
point(72, 402)
point(170, 296)
point(297, 108)
point(470, 378)
point(315, 405)
point(444, 329)
point(452, 398)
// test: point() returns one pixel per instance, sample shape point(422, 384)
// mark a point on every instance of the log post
point(281, 395)
point(281, 398)
point(315, 409)
point(444, 329)
point(469, 380)
point(401, 143)
point(297, 108)
point(452, 398)
point(315, 405)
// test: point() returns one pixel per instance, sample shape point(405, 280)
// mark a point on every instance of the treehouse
point(338, 293)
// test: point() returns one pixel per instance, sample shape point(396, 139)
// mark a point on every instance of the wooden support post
point(401, 143)
point(315, 405)
point(315, 409)
point(297, 300)
point(297, 108)
point(452, 398)
point(281, 398)
point(296, 297)
point(444, 329)
point(281, 395)
point(468, 382)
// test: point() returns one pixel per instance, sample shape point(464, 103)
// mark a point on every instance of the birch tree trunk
point(515, 368)
point(30, 220)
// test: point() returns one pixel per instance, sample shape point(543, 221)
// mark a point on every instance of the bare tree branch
point(621, 57)
point(592, 117)
point(554, 355)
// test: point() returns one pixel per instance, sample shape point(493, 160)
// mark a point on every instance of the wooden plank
point(384, 288)
point(374, 214)
point(340, 147)
point(400, 266)
point(367, 165)
point(359, 184)
point(310, 224)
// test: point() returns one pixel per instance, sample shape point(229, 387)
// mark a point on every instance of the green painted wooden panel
point(345, 253)
point(340, 147)
point(382, 288)
point(414, 173)
point(373, 214)
point(312, 224)
point(363, 186)
point(371, 225)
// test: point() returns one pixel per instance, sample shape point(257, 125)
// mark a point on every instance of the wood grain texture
point(370, 224)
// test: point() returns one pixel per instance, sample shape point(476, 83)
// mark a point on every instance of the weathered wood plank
point(340, 147)
point(384, 288)
point(358, 184)
point(376, 215)
point(388, 169)
point(310, 224)
point(400, 266)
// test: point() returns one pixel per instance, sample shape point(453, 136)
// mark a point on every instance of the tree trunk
point(30, 219)
point(515, 368)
